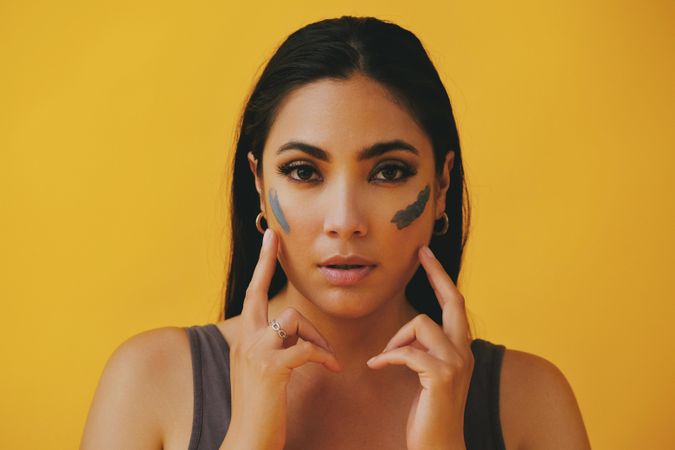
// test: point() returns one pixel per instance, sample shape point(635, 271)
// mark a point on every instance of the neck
point(355, 340)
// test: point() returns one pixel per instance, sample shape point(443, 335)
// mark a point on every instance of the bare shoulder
point(130, 402)
point(538, 408)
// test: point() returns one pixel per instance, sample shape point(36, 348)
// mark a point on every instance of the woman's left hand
point(444, 361)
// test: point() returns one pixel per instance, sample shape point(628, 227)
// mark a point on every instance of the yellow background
point(116, 123)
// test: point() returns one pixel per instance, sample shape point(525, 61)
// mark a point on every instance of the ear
point(253, 164)
point(444, 182)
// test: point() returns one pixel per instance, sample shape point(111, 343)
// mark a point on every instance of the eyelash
point(286, 169)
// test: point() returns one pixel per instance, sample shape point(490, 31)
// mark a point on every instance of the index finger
point(254, 310)
point(451, 300)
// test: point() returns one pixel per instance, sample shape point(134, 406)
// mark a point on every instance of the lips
point(345, 277)
point(346, 270)
point(344, 266)
point(341, 261)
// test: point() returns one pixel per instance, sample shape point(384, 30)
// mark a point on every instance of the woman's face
point(330, 200)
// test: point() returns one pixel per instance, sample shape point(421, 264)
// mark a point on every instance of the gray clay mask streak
point(405, 217)
point(276, 209)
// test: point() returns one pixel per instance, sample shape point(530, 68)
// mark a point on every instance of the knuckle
point(420, 318)
point(290, 312)
point(407, 350)
point(306, 346)
point(423, 319)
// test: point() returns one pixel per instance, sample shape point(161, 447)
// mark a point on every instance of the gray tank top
point(211, 377)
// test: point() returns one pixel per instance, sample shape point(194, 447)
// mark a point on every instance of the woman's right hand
point(261, 362)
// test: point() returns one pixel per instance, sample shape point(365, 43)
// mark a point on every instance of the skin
point(346, 212)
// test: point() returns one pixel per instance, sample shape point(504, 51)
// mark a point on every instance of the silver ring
point(277, 328)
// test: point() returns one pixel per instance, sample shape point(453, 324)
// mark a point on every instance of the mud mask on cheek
point(406, 216)
point(276, 209)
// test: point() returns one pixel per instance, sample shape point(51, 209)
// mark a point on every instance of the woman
point(349, 153)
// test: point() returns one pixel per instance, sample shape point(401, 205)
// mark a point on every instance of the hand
point(444, 361)
point(261, 362)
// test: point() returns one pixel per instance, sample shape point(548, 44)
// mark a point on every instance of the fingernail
point(427, 251)
point(371, 360)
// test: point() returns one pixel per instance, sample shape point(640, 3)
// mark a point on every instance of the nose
point(344, 216)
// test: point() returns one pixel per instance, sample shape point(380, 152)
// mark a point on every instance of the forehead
point(344, 116)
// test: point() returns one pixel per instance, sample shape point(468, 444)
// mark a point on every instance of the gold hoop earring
point(446, 224)
point(258, 222)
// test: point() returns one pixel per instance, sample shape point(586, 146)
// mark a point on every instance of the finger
point(297, 325)
point(455, 324)
point(439, 279)
point(423, 329)
point(254, 310)
point(306, 351)
point(417, 360)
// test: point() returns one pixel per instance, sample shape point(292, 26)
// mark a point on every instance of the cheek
point(277, 210)
point(298, 221)
point(410, 213)
point(409, 228)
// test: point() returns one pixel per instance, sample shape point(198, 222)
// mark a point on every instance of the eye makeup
point(276, 209)
point(407, 215)
point(298, 167)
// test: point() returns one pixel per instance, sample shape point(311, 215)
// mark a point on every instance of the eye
point(303, 171)
point(390, 170)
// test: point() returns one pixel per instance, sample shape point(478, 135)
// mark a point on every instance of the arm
point(540, 403)
point(124, 412)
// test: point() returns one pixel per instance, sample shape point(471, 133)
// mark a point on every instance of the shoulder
point(135, 383)
point(538, 406)
point(151, 353)
point(157, 345)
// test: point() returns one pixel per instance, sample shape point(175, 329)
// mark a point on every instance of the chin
point(346, 303)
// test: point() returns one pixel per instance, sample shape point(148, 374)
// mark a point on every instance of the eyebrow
point(372, 151)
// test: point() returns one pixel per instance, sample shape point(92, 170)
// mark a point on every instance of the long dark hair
point(338, 48)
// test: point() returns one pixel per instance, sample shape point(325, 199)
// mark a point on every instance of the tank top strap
point(482, 425)
point(211, 378)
